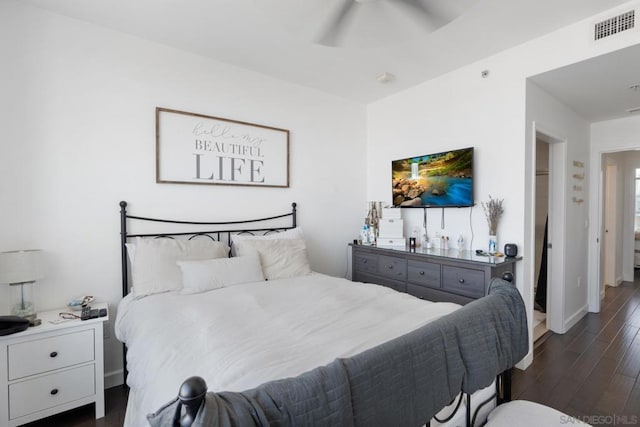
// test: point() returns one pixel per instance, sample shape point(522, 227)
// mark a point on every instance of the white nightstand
point(52, 368)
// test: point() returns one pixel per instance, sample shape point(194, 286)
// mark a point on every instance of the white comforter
point(241, 336)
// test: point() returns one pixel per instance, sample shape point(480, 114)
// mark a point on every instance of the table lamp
point(20, 269)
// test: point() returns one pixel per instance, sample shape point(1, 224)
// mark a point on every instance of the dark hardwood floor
point(591, 372)
point(115, 400)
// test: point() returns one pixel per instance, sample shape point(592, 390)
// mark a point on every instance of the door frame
point(609, 228)
point(557, 225)
point(596, 205)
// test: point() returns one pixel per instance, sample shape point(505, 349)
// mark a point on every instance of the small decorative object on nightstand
point(52, 368)
point(20, 269)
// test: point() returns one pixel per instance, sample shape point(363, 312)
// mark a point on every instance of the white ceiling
point(599, 88)
point(269, 36)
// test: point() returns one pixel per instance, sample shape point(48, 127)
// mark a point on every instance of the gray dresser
point(429, 274)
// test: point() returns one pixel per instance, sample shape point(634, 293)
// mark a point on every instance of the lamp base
point(22, 300)
point(26, 310)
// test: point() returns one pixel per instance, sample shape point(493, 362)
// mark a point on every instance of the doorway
point(541, 239)
point(548, 235)
point(619, 209)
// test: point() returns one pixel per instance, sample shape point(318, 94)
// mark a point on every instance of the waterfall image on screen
point(434, 180)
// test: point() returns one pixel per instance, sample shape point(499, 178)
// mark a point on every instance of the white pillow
point(209, 274)
point(294, 233)
point(280, 258)
point(154, 267)
point(131, 251)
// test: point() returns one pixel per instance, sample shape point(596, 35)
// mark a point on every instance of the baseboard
point(114, 378)
point(574, 318)
point(619, 281)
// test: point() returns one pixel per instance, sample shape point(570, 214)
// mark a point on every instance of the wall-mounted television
point(434, 180)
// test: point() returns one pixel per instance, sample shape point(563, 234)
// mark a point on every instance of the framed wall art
point(198, 149)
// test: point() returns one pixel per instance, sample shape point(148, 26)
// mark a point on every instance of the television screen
point(434, 180)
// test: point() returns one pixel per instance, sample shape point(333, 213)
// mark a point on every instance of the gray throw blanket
point(402, 382)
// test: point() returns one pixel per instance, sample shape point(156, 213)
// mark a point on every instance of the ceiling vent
point(615, 25)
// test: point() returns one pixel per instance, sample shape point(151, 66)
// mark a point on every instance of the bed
point(237, 330)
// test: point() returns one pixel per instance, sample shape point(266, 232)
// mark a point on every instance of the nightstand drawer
point(463, 281)
point(34, 395)
point(392, 267)
point(46, 354)
point(424, 273)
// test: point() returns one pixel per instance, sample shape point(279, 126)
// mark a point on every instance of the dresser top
point(452, 254)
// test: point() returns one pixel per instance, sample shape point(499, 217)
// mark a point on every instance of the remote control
point(89, 313)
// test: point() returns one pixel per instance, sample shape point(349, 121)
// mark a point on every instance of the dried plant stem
point(493, 210)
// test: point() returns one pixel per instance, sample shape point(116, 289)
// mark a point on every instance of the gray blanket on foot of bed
point(402, 382)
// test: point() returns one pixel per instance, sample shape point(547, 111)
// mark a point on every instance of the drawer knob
point(364, 262)
point(54, 391)
point(422, 273)
point(461, 280)
point(390, 266)
point(53, 354)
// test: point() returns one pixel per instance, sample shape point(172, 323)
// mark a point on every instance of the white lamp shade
point(21, 266)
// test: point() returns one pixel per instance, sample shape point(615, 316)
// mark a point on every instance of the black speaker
point(511, 249)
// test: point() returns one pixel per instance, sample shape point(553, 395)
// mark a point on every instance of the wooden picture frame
point(199, 149)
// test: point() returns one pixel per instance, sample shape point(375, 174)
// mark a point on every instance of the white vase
point(493, 243)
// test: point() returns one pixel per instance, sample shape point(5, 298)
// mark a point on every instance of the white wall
point(461, 109)
point(616, 135)
point(78, 136)
point(557, 120)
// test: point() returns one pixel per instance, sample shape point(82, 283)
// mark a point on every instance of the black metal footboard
point(191, 396)
point(193, 392)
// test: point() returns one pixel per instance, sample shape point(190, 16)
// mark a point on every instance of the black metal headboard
point(221, 230)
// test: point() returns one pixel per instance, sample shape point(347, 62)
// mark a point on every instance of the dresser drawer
point(392, 267)
point(45, 392)
point(463, 281)
point(367, 263)
point(46, 354)
point(437, 295)
point(423, 273)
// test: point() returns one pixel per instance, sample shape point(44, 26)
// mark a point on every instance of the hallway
point(592, 371)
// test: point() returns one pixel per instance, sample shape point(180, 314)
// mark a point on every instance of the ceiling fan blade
point(331, 33)
point(437, 18)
